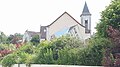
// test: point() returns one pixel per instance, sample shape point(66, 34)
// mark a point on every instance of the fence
point(40, 65)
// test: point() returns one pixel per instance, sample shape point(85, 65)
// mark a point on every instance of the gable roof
point(32, 33)
point(69, 16)
point(85, 10)
point(72, 27)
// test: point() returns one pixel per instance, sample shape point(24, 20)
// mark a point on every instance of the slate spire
point(85, 10)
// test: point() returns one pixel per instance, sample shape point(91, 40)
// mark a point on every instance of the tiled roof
point(32, 33)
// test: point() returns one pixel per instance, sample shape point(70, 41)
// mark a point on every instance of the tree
point(109, 27)
point(35, 39)
point(3, 37)
point(9, 39)
point(110, 17)
point(14, 39)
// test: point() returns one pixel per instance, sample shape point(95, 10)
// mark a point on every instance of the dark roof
point(72, 27)
point(32, 33)
point(43, 32)
point(68, 15)
point(85, 10)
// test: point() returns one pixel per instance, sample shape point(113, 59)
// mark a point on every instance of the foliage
point(110, 17)
point(44, 57)
point(93, 54)
point(17, 37)
point(35, 40)
point(22, 55)
point(6, 49)
point(51, 52)
point(67, 42)
point(64, 50)
point(114, 35)
point(27, 48)
point(23, 58)
point(109, 27)
point(8, 60)
point(67, 57)
point(9, 39)
point(3, 38)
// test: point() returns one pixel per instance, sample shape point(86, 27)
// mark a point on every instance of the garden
point(102, 49)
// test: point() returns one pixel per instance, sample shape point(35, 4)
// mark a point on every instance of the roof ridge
point(68, 15)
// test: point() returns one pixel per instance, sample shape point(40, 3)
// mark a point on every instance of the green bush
point(35, 40)
point(67, 57)
point(47, 52)
point(66, 42)
point(64, 51)
point(93, 54)
point(27, 48)
point(44, 57)
point(8, 60)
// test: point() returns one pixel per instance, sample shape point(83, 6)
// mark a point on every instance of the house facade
point(28, 35)
point(66, 24)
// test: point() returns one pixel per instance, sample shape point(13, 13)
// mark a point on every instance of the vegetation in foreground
point(63, 51)
point(101, 49)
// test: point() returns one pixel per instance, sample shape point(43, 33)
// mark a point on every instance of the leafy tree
point(35, 40)
point(110, 17)
point(109, 27)
point(14, 39)
point(3, 37)
point(58, 51)
point(9, 39)
point(92, 55)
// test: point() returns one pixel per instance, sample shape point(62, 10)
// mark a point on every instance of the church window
point(86, 24)
point(75, 30)
point(86, 27)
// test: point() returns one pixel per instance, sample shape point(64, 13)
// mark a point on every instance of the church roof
point(32, 33)
point(85, 10)
point(69, 16)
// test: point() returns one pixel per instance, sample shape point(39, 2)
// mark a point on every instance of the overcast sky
point(16, 16)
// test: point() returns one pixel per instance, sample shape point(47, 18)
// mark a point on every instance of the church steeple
point(86, 19)
point(85, 10)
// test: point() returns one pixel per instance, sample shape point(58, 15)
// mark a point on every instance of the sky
point(17, 16)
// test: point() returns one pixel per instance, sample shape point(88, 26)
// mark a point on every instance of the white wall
point(49, 65)
point(81, 32)
point(26, 36)
point(83, 18)
point(62, 22)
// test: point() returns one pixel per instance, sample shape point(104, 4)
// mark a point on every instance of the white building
point(67, 24)
point(28, 35)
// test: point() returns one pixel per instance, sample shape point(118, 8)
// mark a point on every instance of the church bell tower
point(86, 19)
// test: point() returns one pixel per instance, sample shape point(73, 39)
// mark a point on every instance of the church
point(66, 24)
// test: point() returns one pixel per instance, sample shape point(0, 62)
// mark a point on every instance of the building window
point(75, 30)
point(86, 24)
point(86, 27)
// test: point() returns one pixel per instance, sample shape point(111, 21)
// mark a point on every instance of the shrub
point(8, 60)
point(52, 52)
point(67, 56)
point(27, 48)
point(35, 40)
point(93, 54)
point(44, 57)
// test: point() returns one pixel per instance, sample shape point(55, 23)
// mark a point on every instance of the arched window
point(86, 26)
